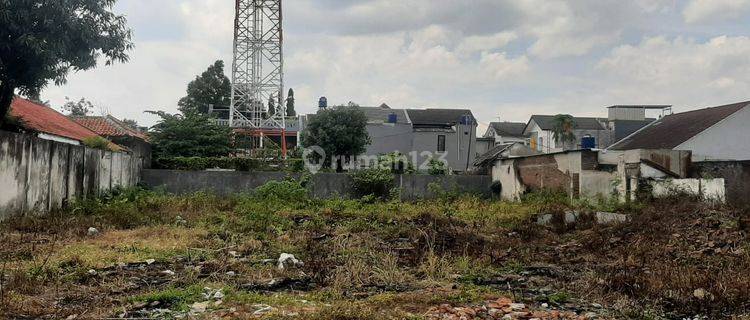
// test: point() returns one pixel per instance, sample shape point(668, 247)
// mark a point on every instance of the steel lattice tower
point(258, 66)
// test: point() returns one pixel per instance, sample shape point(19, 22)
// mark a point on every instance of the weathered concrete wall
point(709, 189)
point(598, 184)
point(38, 176)
point(322, 185)
point(736, 176)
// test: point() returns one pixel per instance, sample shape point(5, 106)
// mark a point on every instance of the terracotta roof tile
point(109, 127)
point(39, 118)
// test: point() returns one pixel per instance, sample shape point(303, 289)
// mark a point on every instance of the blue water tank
point(392, 118)
point(323, 103)
point(588, 142)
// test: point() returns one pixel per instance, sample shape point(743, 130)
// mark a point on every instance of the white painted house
point(712, 134)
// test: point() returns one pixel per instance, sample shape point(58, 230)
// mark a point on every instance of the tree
point(290, 104)
point(80, 108)
point(339, 131)
point(563, 127)
point(212, 87)
point(42, 41)
point(189, 135)
point(271, 106)
point(131, 123)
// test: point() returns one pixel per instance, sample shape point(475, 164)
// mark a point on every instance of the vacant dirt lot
point(159, 256)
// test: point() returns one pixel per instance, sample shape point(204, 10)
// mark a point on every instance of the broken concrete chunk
point(287, 260)
point(199, 307)
point(611, 218)
point(150, 261)
point(168, 272)
point(92, 231)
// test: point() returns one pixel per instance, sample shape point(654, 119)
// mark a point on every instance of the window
point(441, 143)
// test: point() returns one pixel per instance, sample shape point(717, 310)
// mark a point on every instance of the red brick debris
point(502, 308)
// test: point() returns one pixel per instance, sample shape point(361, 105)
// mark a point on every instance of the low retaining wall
point(323, 185)
point(735, 173)
point(38, 176)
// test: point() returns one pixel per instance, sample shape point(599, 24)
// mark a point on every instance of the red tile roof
point(39, 118)
point(109, 127)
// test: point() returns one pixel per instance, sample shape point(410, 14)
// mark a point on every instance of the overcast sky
point(503, 59)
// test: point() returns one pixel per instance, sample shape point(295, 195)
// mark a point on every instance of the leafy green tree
point(80, 108)
point(290, 112)
point(563, 126)
point(131, 123)
point(212, 87)
point(42, 41)
point(271, 106)
point(189, 135)
point(339, 131)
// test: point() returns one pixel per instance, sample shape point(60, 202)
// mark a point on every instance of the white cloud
point(698, 11)
point(486, 43)
point(680, 71)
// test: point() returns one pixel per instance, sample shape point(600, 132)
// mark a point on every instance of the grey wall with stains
point(38, 176)
point(322, 185)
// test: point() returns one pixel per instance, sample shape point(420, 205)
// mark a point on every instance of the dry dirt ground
point(156, 256)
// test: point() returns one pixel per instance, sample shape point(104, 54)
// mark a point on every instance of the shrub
point(97, 142)
point(373, 181)
point(396, 163)
point(437, 168)
point(289, 191)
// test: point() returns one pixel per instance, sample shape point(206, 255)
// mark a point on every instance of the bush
point(437, 168)
point(97, 142)
point(376, 182)
point(396, 162)
point(289, 191)
point(228, 163)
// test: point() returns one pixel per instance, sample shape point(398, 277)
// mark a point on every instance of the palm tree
point(563, 128)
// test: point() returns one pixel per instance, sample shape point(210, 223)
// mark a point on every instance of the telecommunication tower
point(258, 66)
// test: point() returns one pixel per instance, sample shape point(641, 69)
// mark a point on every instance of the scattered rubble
point(287, 260)
point(503, 308)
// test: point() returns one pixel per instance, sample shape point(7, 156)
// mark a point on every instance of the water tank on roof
point(323, 103)
point(392, 118)
point(588, 142)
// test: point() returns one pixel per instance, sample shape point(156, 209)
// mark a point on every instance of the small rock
point(150, 261)
point(262, 309)
point(199, 307)
point(168, 272)
point(590, 315)
point(218, 295)
point(700, 293)
point(233, 254)
point(545, 305)
point(92, 232)
point(92, 272)
point(517, 306)
point(231, 273)
point(611, 218)
point(288, 260)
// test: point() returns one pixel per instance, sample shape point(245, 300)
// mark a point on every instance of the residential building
point(447, 133)
point(590, 133)
point(421, 134)
point(540, 130)
point(507, 132)
point(49, 124)
point(120, 133)
point(711, 134)
point(487, 160)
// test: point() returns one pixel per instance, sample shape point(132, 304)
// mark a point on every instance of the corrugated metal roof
point(673, 130)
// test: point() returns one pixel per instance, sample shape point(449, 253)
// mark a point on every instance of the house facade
point(422, 134)
point(712, 134)
point(506, 132)
point(540, 130)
